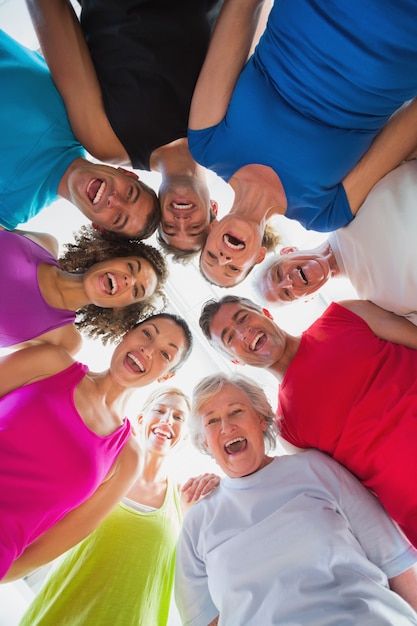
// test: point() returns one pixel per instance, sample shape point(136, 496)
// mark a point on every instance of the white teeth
point(254, 342)
point(234, 246)
point(163, 432)
point(229, 443)
point(135, 360)
point(113, 283)
point(182, 206)
point(99, 193)
point(302, 275)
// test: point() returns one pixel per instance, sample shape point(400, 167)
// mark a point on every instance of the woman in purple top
point(66, 451)
point(102, 283)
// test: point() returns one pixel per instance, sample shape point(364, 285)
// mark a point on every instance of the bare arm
point(396, 142)
point(384, 324)
point(214, 622)
point(68, 58)
point(45, 240)
point(227, 54)
point(29, 364)
point(80, 522)
point(405, 585)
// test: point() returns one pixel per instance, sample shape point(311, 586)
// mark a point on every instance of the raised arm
point(80, 522)
point(68, 58)
point(385, 324)
point(227, 54)
point(395, 143)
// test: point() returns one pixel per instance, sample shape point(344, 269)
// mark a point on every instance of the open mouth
point(301, 274)
point(95, 190)
point(162, 432)
point(236, 445)
point(182, 206)
point(134, 363)
point(258, 341)
point(233, 242)
point(110, 283)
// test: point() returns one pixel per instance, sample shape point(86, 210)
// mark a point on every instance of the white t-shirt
point(300, 542)
point(377, 251)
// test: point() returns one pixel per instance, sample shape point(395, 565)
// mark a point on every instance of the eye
point(130, 266)
point(146, 333)
point(211, 421)
point(166, 356)
point(135, 291)
point(179, 417)
point(236, 411)
point(129, 192)
point(211, 255)
point(233, 268)
point(242, 318)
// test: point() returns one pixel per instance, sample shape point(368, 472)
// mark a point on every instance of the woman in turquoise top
point(287, 131)
point(122, 574)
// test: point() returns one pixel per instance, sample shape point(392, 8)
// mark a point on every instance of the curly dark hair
point(91, 246)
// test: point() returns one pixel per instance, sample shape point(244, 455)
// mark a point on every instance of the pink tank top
point(24, 313)
point(50, 462)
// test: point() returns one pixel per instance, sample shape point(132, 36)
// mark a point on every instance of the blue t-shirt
point(323, 80)
point(37, 143)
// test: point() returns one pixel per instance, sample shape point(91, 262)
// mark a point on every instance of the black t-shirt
point(147, 54)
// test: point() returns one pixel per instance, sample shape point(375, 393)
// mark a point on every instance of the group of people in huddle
point(307, 110)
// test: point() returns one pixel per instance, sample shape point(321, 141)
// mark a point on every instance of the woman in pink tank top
point(66, 451)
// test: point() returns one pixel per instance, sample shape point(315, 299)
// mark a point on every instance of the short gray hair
point(209, 386)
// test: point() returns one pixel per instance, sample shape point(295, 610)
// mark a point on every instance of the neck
point(279, 368)
point(325, 250)
point(258, 193)
point(60, 289)
point(63, 189)
point(153, 468)
point(174, 159)
point(113, 395)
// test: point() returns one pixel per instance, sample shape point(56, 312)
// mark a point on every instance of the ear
point(212, 223)
point(165, 377)
point(214, 207)
point(263, 423)
point(99, 228)
point(267, 314)
point(261, 255)
point(128, 173)
point(288, 249)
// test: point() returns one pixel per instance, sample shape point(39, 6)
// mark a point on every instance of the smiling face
point(233, 247)
point(247, 335)
point(112, 198)
point(293, 275)
point(163, 423)
point(185, 208)
point(148, 352)
point(119, 282)
point(234, 432)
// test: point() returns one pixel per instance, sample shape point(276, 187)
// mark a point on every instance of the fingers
point(199, 486)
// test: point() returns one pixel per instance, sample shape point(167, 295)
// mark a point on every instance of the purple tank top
point(24, 314)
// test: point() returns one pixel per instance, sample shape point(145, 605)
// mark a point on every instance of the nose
point(223, 258)
point(180, 216)
point(129, 280)
point(167, 417)
point(286, 282)
point(227, 426)
point(147, 351)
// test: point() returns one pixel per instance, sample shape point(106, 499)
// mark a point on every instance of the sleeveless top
point(50, 461)
point(24, 313)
